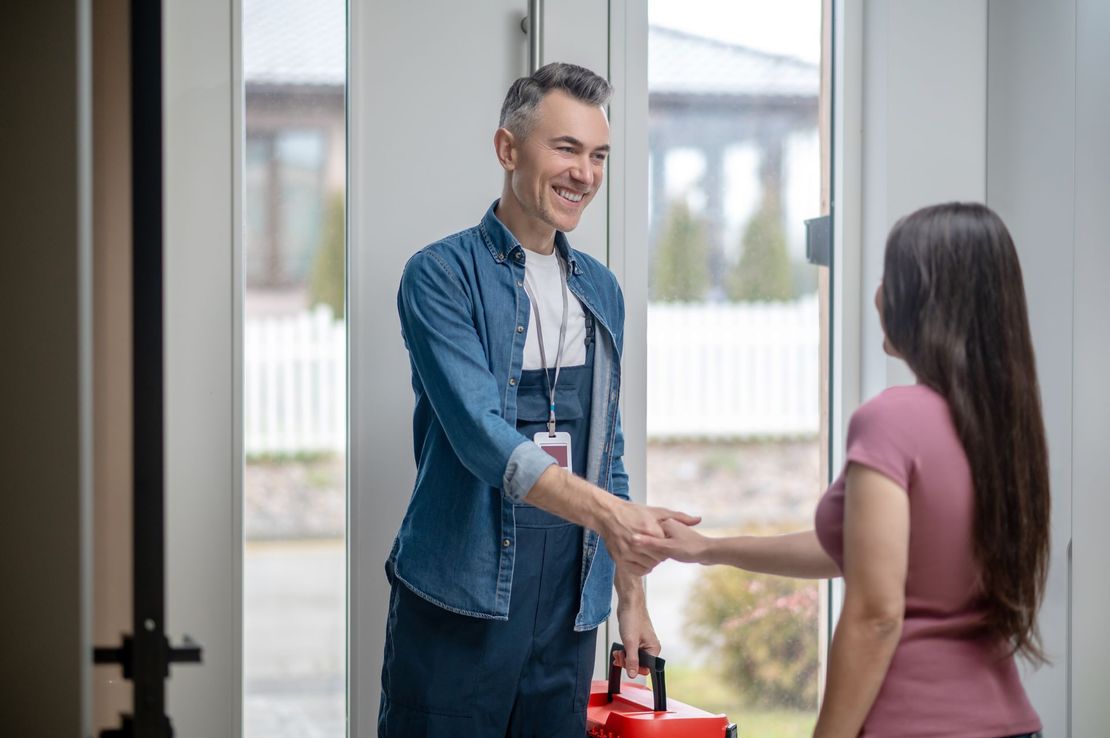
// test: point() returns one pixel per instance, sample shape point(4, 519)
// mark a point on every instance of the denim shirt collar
point(502, 244)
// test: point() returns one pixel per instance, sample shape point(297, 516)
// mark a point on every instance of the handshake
point(639, 537)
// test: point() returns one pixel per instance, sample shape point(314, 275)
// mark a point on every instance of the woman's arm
point(876, 543)
point(791, 555)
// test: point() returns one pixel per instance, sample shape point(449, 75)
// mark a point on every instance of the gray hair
point(518, 112)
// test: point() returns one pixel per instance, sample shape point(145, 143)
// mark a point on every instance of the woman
point(939, 523)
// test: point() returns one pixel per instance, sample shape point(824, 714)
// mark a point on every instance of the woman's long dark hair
point(953, 305)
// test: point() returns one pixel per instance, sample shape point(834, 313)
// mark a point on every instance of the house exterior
point(707, 97)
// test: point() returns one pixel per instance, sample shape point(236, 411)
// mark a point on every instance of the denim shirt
point(464, 316)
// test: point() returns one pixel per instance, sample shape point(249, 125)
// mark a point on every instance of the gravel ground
point(733, 485)
point(738, 485)
point(295, 499)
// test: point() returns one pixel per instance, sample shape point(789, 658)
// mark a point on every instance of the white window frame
point(203, 125)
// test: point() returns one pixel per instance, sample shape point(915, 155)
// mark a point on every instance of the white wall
point(1031, 184)
point(1090, 643)
point(924, 116)
point(1005, 102)
point(1047, 161)
point(909, 130)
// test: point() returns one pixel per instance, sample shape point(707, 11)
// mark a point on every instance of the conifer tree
point(681, 269)
point(326, 285)
point(763, 272)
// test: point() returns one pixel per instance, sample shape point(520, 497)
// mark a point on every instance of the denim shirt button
point(520, 329)
point(512, 381)
point(506, 543)
point(520, 283)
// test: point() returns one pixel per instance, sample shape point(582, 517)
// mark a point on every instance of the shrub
point(762, 632)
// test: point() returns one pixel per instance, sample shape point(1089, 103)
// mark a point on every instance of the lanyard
point(539, 336)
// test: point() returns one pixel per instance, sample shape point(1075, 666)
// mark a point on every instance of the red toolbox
point(631, 710)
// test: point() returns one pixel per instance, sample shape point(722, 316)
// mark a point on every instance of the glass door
point(736, 348)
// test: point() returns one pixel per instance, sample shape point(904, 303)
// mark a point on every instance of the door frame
point(202, 87)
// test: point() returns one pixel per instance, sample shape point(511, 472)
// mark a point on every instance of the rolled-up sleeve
point(450, 360)
point(527, 462)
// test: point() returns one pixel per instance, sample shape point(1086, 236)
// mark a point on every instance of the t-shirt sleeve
point(877, 439)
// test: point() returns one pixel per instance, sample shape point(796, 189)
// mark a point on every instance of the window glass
point(733, 344)
point(294, 364)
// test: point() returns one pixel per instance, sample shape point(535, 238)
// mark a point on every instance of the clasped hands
point(639, 537)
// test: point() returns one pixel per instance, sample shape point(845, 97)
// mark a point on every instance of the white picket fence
point(733, 371)
point(715, 371)
point(294, 383)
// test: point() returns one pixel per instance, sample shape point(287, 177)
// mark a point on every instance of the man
point(498, 579)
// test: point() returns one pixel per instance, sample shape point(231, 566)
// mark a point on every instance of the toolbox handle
point(654, 665)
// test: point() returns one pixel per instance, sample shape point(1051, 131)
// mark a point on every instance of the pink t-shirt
point(947, 677)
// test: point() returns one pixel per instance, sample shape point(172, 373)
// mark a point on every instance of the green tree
point(762, 632)
point(763, 272)
point(327, 284)
point(681, 269)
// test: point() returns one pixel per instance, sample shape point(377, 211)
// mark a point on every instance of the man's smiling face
point(561, 162)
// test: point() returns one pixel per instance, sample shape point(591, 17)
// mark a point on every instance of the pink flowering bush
point(762, 632)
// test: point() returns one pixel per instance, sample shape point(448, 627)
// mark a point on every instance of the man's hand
point(636, 633)
point(625, 527)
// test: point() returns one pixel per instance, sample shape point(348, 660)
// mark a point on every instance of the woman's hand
point(682, 543)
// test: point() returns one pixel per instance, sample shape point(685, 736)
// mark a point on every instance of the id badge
point(557, 446)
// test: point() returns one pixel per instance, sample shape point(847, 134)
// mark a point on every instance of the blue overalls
point(447, 675)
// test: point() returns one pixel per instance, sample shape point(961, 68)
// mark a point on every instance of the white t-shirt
point(545, 282)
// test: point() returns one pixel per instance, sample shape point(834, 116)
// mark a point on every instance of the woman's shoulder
point(905, 398)
point(903, 409)
point(889, 431)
